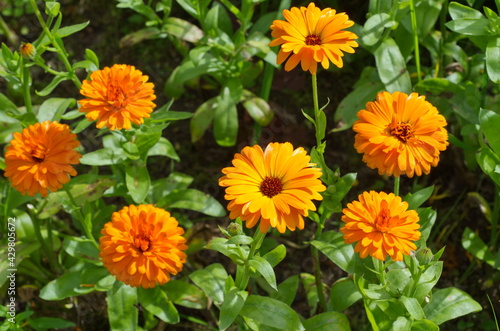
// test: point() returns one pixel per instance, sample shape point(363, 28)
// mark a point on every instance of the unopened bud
point(424, 255)
point(234, 229)
point(27, 50)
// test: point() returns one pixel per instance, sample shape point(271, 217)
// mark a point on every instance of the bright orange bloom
point(311, 35)
point(39, 158)
point(27, 50)
point(275, 186)
point(400, 134)
point(381, 225)
point(142, 246)
point(117, 97)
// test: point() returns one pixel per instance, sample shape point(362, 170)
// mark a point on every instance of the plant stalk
point(413, 15)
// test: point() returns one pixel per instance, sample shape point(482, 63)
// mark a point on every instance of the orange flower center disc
point(382, 222)
point(116, 96)
point(142, 242)
point(271, 186)
point(38, 153)
point(313, 39)
point(402, 131)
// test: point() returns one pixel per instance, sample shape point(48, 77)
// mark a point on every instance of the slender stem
point(316, 109)
point(318, 279)
point(26, 86)
point(11, 35)
point(49, 253)
point(396, 185)
point(61, 53)
point(82, 218)
point(380, 267)
point(242, 279)
point(494, 216)
point(415, 37)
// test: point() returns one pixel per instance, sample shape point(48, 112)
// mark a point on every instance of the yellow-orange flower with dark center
point(142, 246)
point(400, 134)
point(311, 36)
point(39, 158)
point(381, 225)
point(117, 97)
point(275, 186)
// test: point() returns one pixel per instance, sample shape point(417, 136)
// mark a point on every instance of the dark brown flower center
point(271, 186)
point(401, 131)
point(142, 242)
point(313, 39)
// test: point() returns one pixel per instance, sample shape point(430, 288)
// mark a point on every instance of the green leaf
point(232, 251)
point(416, 199)
point(52, 109)
point(166, 116)
point(271, 312)
point(166, 185)
point(50, 323)
point(229, 310)
point(424, 325)
point(83, 249)
point(194, 200)
point(365, 90)
point(70, 284)
point(493, 59)
point(286, 290)
point(103, 156)
point(374, 27)
point(476, 246)
point(490, 122)
point(392, 67)
point(332, 244)
point(157, 303)
point(136, 37)
point(137, 181)
point(343, 294)
point(413, 307)
point(182, 74)
point(450, 303)
point(427, 281)
point(469, 26)
point(185, 294)
point(69, 30)
point(226, 114)
point(202, 118)
point(182, 29)
point(212, 280)
point(122, 313)
point(258, 109)
point(52, 8)
point(52, 85)
point(458, 10)
point(146, 140)
point(164, 148)
point(92, 57)
point(265, 269)
point(328, 321)
point(276, 255)
point(6, 105)
point(489, 163)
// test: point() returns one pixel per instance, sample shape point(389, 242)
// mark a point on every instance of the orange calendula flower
point(27, 50)
point(39, 158)
point(381, 225)
point(142, 246)
point(400, 134)
point(117, 97)
point(311, 35)
point(275, 186)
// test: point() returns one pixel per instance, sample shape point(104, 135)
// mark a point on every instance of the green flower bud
point(424, 255)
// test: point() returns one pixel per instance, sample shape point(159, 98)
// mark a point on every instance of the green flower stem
point(242, 278)
point(26, 78)
point(61, 53)
point(380, 268)
point(49, 252)
point(413, 16)
point(316, 113)
point(396, 185)
point(317, 275)
point(82, 218)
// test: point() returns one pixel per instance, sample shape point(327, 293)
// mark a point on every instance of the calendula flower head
point(381, 226)
point(400, 134)
point(142, 246)
point(27, 50)
point(39, 159)
point(275, 186)
point(311, 36)
point(117, 97)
